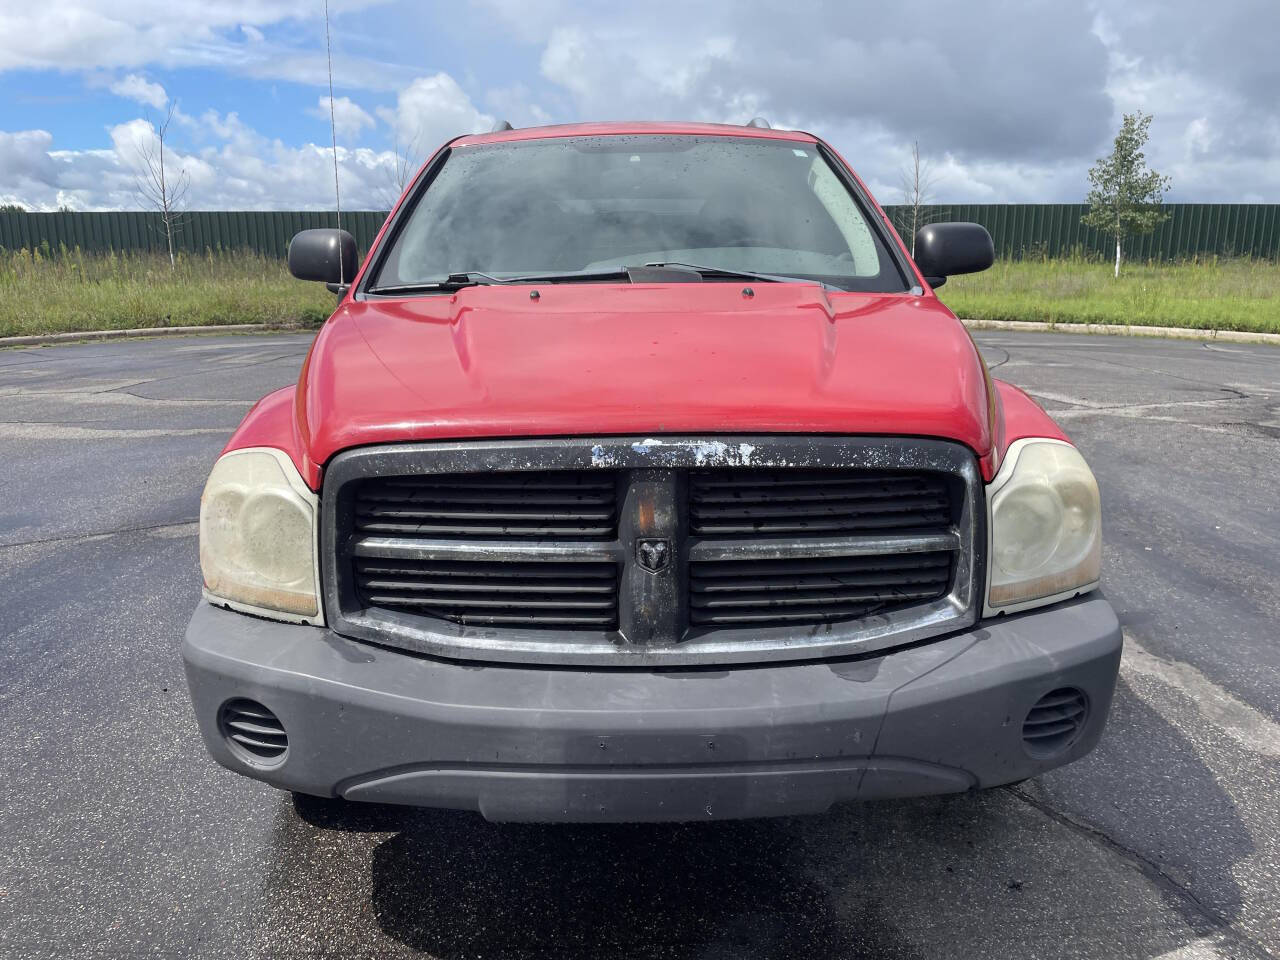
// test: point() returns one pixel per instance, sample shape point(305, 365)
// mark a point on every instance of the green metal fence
point(1019, 230)
point(265, 232)
point(1054, 230)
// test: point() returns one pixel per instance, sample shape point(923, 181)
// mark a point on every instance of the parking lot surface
point(119, 837)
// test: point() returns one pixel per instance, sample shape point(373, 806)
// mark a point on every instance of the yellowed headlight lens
point(1046, 524)
point(257, 534)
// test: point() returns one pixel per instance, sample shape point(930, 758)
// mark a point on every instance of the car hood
point(624, 359)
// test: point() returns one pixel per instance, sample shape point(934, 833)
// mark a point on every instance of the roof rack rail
point(502, 126)
point(760, 122)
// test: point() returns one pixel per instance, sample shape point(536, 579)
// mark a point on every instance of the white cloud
point(238, 169)
point(349, 118)
point(129, 34)
point(129, 141)
point(24, 158)
point(1021, 122)
point(515, 104)
point(231, 165)
point(432, 110)
point(1206, 134)
point(141, 90)
point(229, 127)
point(58, 33)
point(614, 71)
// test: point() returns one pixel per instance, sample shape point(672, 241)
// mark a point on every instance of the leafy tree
point(1124, 196)
point(12, 208)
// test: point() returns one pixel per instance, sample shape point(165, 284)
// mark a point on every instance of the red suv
point(640, 475)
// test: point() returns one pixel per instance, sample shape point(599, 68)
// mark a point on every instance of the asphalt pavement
point(119, 837)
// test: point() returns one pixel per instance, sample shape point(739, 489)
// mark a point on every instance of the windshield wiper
point(613, 273)
point(472, 278)
point(740, 274)
point(455, 281)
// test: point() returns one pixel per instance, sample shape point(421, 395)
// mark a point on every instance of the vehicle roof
point(633, 127)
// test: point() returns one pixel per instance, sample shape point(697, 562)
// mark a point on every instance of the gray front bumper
point(550, 744)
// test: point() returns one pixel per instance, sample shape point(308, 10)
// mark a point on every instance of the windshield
point(591, 204)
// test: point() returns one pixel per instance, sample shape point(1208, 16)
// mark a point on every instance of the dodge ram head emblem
point(654, 555)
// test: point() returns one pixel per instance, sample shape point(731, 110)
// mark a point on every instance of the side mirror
point(946, 249)
point(325, 255)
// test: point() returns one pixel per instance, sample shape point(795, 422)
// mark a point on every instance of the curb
point(42, 339)
point(1035, 326)
point(1125, 330)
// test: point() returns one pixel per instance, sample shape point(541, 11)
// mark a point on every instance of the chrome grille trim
point(768, 549)
point(407, 549)
point(654, 626)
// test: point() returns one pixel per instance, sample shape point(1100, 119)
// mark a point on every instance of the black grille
point(1055, 721)
point(254, 731)
point(543, 550)
point(741, 503)
point(570, 504)
point(538, 593)
point(766, 593)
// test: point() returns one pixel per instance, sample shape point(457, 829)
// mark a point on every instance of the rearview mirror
point(946, 249)
point(325, 255)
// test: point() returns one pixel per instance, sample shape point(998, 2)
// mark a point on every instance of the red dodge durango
point(640, 475)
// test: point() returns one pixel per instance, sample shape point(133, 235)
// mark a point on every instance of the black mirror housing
point(325, 255)
point(946, 249)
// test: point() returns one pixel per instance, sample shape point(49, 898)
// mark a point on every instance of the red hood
point(594, 359)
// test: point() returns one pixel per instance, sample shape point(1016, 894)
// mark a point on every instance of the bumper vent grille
point(255, 733)
point(752, 503)
point(767, 593)
point(1055, 721)
point(514, 594)
point(573, 504)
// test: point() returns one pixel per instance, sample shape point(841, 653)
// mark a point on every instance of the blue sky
point(1009, 101)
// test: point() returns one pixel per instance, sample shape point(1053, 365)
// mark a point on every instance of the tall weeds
point(48, 291)
point(1213, 293)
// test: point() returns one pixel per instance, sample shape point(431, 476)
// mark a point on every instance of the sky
point(1010, 100)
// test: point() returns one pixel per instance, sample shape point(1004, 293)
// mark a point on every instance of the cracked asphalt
point(119, 837)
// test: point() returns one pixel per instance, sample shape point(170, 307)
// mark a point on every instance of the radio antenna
point(333, 134)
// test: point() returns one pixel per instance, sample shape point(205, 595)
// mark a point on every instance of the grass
point(1213, 294)
point(69, 290)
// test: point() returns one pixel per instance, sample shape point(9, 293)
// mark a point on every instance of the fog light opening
point(254, 734)
point(1055, 722)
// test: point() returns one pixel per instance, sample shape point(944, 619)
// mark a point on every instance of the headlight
point(1046, 527)
point(258, 536)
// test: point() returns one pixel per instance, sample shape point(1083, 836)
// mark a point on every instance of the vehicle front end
point(648, 547)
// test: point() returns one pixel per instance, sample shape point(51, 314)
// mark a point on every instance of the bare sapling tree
point(405, 164)
point(1124, 196)
point(158, 185)
point(917, 195)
